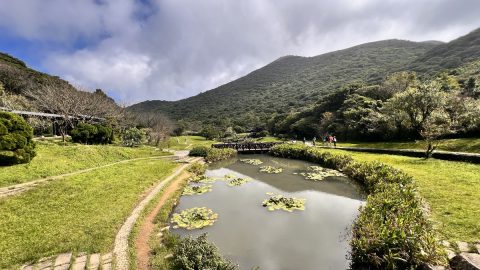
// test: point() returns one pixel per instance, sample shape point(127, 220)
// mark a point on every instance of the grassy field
point(455, 145)
point(450, 188)
point(54, 159)
point(78, 213)
point(186, 142)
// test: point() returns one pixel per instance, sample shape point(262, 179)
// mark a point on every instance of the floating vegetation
point(197, 190)
point(194, 218)
point(252, 161)
point(229, 176)
point(202, 179)
point(238, 182)
point(285, 203)
point(270, 169)
point(319, 173)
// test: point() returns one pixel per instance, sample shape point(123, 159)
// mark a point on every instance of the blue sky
point(172, 49)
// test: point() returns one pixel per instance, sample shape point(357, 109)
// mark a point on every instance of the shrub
point(92, 134)
point(392, 230)
point(216, 154)
point(16, 144)
point(197, 253)
point(199, 151)
point(133, 137)
point(197, 168)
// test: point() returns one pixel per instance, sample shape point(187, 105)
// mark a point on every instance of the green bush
point(92, 134)
point(197, 253)
point(16, 144)
point(133, 137)
point(197, 168)
point(216, 154)
point(199, 151)
point(392, 230)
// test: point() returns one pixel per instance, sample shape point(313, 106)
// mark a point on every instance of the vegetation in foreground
point(55, 159)
point(449, 187)
point(392, 231)
point(470, 145)
point(78, 213)
point(16, 140)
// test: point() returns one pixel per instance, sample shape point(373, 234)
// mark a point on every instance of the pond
point(251, 236)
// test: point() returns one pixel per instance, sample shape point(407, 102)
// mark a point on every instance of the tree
point(133, 137)
point(209, 132)
point(433, 128)
point(158, 126)
point(16, 140)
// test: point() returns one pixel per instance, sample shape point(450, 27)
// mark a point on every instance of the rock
point(94, 261)
point(159, 234)
point(165, 229)
point(80, 261)
point(466, 261)
point(45, 263)
point(450, 254)
point(463, 247)
point(107, 258)
point(169, 256)
point(63, 261)
point(27, 267)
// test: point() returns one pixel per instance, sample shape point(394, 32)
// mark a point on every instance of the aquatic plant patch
point(317, 173)
point(197, 190)
point(194, 218)
point(252, 161)
point(289, 204)
point(271, 169)
point(203, 179)
point(238, 182)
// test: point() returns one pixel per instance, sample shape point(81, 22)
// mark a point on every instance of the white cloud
point(171, 49)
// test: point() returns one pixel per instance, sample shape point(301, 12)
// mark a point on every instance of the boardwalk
point(249, 147)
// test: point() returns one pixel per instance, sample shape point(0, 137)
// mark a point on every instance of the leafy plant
point(92, 134)
point(271, 169)
point(215, 154)
point(252, 161)
point(238, 182)
point(196, 190)
point(133, 137)
point(194, 218)
point(16, 140)
point(199, 151)
point(197, 168)
point(197, 253)
point(318, 173)
point(285, 203)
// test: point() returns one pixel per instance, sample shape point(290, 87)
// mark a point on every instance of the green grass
point(450, 188)
point(471, 145)
point(78, 213)
point(187, 142)
point(54, 159)
point(270, 139)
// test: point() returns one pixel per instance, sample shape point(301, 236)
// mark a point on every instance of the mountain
point(292, 82)
point(449, 55)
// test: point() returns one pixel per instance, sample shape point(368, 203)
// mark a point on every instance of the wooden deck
point(252, 147)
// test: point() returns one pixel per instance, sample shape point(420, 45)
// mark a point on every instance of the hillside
point(449, 55)
point(292, 82)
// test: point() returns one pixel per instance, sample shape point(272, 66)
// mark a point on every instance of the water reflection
point(251, 236)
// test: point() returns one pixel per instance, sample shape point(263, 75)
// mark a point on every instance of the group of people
point(328, 140)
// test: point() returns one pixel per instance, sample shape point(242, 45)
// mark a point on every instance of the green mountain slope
point(449, 55)
point(292, 82)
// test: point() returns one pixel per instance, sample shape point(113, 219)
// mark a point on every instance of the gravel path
point(120, 249)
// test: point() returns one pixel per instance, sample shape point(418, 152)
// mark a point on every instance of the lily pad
point(193, 190)
point(238, 182)
point(194, 218)
point(252, 161)
point(276, 202)
point(317, 173)
point(271, 169)
point(202, 179)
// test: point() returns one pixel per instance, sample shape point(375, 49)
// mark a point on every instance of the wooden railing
point(249, 146)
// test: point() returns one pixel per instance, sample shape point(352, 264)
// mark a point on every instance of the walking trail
point(120, 255)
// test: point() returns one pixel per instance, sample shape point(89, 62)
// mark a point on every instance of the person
point(330, 140)
point(335, 141)
point(325, 140)
point(304, 140)
point(313, 141)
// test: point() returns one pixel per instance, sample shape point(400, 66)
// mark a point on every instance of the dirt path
point(19, 188)
point(120, 249)
point(142, 247)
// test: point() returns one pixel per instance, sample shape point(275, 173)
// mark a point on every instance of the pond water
point(250, 235)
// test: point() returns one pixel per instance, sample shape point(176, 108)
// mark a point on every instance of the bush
point(16, 144)
point(392, 230)
point(197, 168)
point(199, 151)
point(133, 137)
point(197, 253)
point(92, 134)
point(216, 154)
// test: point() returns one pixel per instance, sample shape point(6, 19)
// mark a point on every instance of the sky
point(139, 50)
